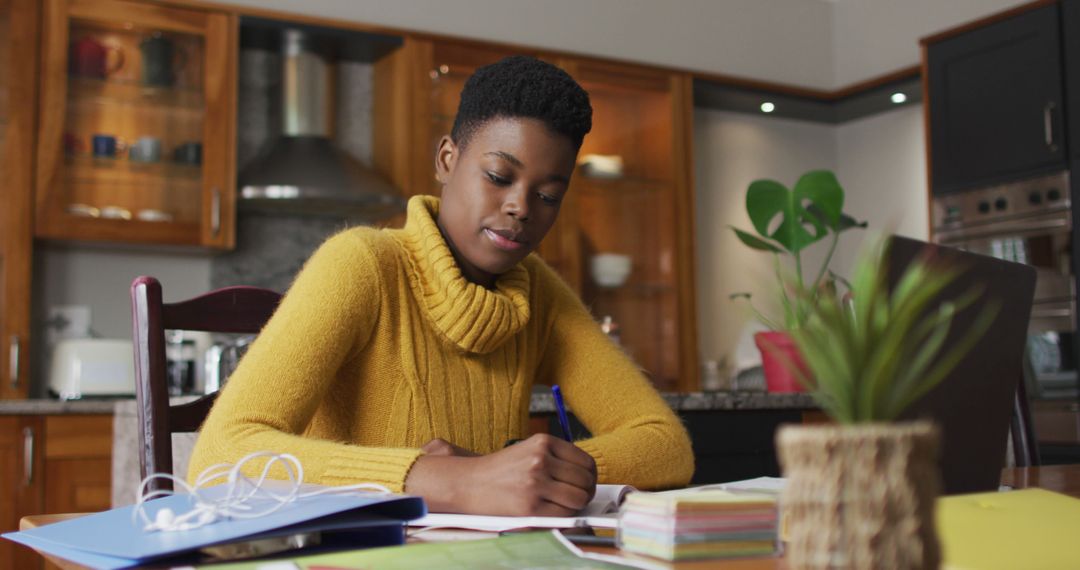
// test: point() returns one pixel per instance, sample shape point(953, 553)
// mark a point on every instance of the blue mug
point(104, 146)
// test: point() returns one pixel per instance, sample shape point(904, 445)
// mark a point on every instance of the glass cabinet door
point(136, 133)
point(625, 191)
point(18, 87)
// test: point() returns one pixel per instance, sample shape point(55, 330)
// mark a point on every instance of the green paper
point(525, 550)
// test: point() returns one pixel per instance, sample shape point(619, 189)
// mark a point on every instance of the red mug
point(88, 57)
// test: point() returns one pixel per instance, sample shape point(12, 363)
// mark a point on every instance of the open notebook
point(601, 512)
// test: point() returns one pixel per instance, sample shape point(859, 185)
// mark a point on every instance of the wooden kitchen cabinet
point(643, 115)
point(21, 484)
point(995, 102)
point(136, 138)
point(19, 21)
point(51, 464)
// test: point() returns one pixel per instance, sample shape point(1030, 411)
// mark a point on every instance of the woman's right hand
point(541, 476)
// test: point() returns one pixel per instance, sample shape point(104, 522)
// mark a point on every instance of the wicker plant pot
point(860, 496)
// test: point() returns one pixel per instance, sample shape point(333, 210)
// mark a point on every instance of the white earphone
point(236, 501)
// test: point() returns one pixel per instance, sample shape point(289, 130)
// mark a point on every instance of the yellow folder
point(1030, 529)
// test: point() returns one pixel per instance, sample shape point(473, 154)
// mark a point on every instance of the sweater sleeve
point(328, 314)
point(637, 439)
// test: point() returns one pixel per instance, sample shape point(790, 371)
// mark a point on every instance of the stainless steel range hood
point(303, 171)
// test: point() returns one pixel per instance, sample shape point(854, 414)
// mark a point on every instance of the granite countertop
point(51, 406)
point(541, 403)
point(707, 401)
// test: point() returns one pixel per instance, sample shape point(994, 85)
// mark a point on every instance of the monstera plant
point(786, 222)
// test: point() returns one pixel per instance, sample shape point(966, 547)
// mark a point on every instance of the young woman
point(407, 357)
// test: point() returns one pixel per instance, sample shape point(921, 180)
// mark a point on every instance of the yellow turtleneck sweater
point(381, 345)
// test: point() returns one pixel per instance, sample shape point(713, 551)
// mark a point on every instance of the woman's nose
point(516, 203)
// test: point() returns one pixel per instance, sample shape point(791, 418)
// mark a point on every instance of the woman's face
point(501, 193)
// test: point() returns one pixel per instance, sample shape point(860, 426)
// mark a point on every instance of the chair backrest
point(227, 310)
point(975, 404)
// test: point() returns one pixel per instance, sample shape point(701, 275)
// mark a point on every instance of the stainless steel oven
point(1029, 222)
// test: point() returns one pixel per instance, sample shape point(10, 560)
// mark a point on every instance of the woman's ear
point(446, 157)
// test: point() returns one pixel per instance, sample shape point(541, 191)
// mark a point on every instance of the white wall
point(881, 162)
point(779, 40)
point(874, 37)
point(811, 43)
point(101, 278)
point(730, 151)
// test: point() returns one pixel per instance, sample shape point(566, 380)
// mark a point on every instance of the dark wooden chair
point(228, 310)
point(1025, 444)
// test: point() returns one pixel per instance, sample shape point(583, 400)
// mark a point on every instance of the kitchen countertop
point(542, 403)
point(50, 406)
point(708, 401)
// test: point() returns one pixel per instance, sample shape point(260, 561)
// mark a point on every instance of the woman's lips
point(503, 241)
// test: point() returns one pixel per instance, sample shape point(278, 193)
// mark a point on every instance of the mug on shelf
point(106, 146)
point(89, 57)
point(610, 269)
point(159, 62)
point(145, 149)
point(73, 144)
point(188, 153)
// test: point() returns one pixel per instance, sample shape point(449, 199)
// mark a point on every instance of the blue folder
point(111, 539)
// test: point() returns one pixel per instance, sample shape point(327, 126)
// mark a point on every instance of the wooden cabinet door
point(18, 98)
point(20, 484)
point(138, 144)
point(78, 463)
point(995, 102)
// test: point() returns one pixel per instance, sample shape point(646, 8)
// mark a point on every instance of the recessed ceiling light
point(898, 97)
point(767, 107)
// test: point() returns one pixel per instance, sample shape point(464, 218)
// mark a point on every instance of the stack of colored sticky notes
point(696, 524)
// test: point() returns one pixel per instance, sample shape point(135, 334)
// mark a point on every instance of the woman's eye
point(548, 199)
point(498, 180)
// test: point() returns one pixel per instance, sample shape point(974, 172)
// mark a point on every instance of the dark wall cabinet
point(996, 102)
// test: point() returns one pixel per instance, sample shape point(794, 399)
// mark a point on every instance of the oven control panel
point(985, 205)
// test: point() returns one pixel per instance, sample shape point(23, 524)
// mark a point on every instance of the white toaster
point(92, 367)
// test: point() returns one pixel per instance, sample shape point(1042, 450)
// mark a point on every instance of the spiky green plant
point(875, 352)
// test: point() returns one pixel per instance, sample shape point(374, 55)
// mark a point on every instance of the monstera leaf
point(798, 226)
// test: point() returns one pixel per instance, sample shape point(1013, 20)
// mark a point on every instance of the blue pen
point(561, 408)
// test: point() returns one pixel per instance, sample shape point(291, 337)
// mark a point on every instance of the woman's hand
point(542, 476)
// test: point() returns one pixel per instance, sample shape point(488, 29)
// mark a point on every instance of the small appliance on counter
point(92, 367)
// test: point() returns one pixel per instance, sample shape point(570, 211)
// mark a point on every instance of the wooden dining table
point(1063, 479)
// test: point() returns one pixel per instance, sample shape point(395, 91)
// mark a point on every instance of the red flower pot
point(778, 355)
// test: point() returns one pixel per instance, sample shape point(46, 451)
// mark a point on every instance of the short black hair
point(522, 86)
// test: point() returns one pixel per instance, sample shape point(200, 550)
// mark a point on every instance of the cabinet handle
point(215, 211)
point(13, 361)
point(28, 456)
point(1048, 126)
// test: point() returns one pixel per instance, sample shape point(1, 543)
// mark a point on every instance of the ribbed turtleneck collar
point(471, 317)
